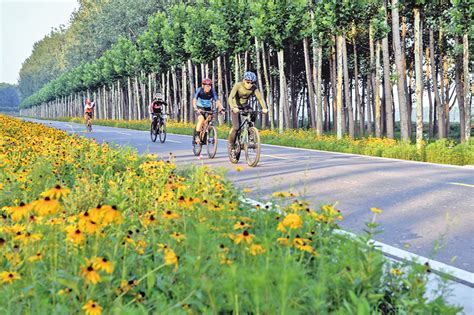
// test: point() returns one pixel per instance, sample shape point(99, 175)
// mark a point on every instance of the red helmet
point(207, 81)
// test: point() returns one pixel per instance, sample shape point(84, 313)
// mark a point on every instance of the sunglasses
point(248, 82)
point(206, 85)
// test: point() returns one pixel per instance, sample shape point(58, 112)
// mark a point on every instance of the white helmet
point(159, 96)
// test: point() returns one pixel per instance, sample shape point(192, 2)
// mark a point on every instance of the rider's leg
point(200, 121)
point(233, 131)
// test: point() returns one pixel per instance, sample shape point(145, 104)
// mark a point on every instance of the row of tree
point(9, 98)
point(350, 67)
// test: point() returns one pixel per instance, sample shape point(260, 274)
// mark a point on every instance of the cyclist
point(156, 105)
point(89, 111)
point(203, 101)
point(239, 98)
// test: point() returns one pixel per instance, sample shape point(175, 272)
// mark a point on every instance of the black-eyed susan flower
point(169, 215)
point(244, 236)
point(75, 235)
point(178, 236)
point(111, 215)
point(56, 192)
point(375, 210)
point(38, 256)
point(170, 257)
point(89, 273)
point(92, 308)
point(256, 249)
point(241, 225)
point(28, 237)
point(19, 212)
point(293, 221)
point(46, 206)
point(102, 263)
point(9, 276)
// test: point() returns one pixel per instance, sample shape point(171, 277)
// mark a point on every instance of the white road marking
point(276, 157)
point(462, 184)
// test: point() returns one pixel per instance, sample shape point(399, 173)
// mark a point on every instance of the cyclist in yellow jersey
point(239, 97)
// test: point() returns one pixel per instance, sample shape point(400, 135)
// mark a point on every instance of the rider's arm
point(195, 98)
point(232, 96)
point(151, 107)
point(260, 99)
point(216, 99)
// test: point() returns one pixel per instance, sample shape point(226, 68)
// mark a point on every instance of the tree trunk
point(347, 90)
point(192, 89)
point(319, 107)
point(282, 95)
point(371, 103)
point(267, 89)
point(401, 74)
point(220, 91)
point(259, 76)
point(175, 91)
point(437, 101)
point(333, 74)
point(418, 78)
point(359, 118)
point(387, 84)
point(467, 97)
point(378, 120)
point(312, 107)
point(428, 90)
point(339, 128)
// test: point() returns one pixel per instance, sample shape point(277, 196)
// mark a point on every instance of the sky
point(24, 22)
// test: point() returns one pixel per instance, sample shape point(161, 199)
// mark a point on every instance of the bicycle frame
point(245, 125)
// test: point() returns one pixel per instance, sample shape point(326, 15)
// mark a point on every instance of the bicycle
point(207, 135)
point(89, 122)
point(248, 138)
point(158, 127)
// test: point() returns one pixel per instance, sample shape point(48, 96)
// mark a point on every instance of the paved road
point(428, 209)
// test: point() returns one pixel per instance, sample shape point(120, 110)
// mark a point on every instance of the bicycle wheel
point(153, 130)
point(252, 148)
point(162, 131)
point(211, 142)
point(197, 147)
point(89, 125)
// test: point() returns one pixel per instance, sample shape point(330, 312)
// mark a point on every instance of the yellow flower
point(56, 192)
point(238, 168)
point(9, 276)
point(46, 206)
point(256, 249)
point(19, 212)
point(103, 264)
point(178, 237)
point(241, 225)
point(169, 215)
point(284, 194)
point(293, 221)
point(283, 240)
point(244, 236)
point(375, 210)
point(92, 308)
point(111, 214)
point(27, 237)
point(75, 235)
point(89, 273)
point(395, 271)
point(170, 257)
point(247, 190)
point(36, 257)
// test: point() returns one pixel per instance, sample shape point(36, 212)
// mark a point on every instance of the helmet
point(207, 81)
point(158, 96)
point(249, 75)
